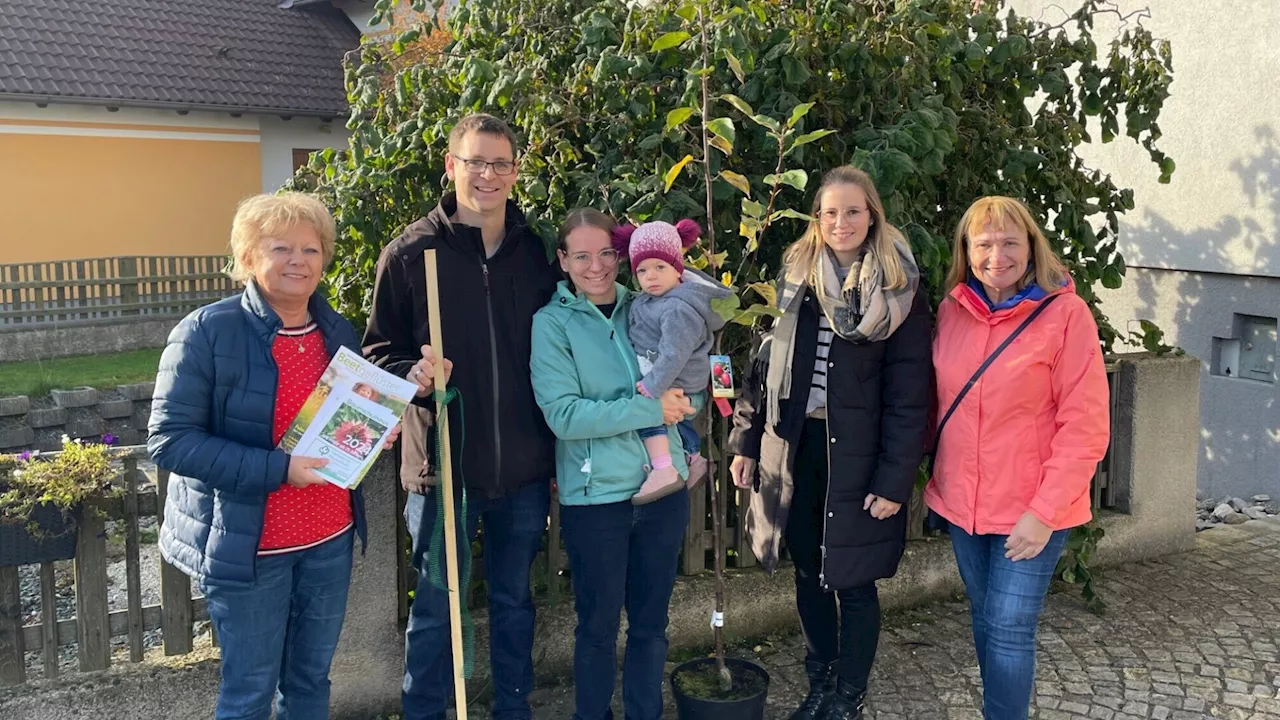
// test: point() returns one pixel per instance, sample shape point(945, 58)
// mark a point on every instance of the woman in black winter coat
point(830, 429)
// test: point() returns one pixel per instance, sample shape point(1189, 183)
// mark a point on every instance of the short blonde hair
point(263, 216)
point(1046, 269)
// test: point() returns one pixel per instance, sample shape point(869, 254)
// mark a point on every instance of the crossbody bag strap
point(937, 438)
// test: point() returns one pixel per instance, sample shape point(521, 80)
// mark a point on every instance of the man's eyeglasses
point(477, 166)
point(583, 260)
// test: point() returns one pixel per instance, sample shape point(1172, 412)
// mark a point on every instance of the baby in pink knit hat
point(672, 328)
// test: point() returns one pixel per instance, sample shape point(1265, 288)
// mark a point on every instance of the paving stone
point(1160, 653)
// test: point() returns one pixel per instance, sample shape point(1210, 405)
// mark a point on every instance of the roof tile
point(171, 51)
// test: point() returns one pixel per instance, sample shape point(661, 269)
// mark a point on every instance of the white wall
point(360, 12)
point(281, 137)
point(1206, 247)
point(1221, 125)
point(158, 121)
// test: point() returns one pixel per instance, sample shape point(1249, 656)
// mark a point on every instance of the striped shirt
point(817, 406)
point(818, 387)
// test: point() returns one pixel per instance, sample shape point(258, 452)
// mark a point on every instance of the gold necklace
point(300, 339)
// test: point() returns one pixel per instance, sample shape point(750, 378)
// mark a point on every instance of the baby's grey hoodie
point(675, 333)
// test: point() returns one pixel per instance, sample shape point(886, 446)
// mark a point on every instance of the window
point(300, 157)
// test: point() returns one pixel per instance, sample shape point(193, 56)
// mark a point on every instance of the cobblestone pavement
point(1185, 637)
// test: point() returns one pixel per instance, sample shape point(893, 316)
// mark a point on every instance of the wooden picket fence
point(94, 625)
point(78, 291)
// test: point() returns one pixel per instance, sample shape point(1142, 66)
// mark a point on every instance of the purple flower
point(110, 439)
point(24, 456)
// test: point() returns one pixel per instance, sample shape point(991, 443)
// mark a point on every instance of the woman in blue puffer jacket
point(268, 540)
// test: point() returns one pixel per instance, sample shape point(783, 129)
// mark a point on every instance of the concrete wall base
point(108, 336)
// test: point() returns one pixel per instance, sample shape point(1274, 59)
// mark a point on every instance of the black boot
point(822, 685)
point(846, 704)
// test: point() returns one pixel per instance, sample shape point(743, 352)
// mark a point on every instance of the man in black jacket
point(494, 275)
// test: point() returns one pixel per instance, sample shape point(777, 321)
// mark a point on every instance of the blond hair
point(802, 258)
point(1046, 269)
point(263, 216)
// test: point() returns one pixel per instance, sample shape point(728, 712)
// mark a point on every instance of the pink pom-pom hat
point(657, 239)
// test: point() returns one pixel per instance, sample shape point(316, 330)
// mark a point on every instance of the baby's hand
point(640, 389)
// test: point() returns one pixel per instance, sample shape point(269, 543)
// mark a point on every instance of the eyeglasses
point(829, 217)
point(584, 260)
point(477, 166)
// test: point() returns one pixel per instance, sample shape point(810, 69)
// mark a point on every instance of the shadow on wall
point(1240, 417)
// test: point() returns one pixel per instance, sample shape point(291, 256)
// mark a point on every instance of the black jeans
point(851, 635)
point(622, 556)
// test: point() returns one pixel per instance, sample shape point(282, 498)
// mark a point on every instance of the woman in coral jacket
point(1015, 459)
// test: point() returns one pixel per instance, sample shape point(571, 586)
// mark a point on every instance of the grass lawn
point(103, 371)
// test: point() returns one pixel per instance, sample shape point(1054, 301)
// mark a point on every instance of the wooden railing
point(94, 624)
point(82, 291)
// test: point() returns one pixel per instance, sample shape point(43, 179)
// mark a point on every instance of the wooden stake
point(445, 474)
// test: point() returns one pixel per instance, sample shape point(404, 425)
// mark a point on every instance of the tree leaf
point(752, 209)
point(651, 142)
point(767, 122)
point(717, 260)
point(678, 116)
point(669, 41)
point(723, 127)
point(736, 180)
point(688, 11)
point(722, 145)
point(742, 105)
point(736, 66)
point(726, 307)
point(798, 113)
point(795, 178)
point(789, 213)
point(766, 291)
point(674, 172)
point(755, 312)
point(807, 138)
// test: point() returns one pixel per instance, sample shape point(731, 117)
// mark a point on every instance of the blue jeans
point(513, 530)
point(278, 637)
point(688, 435)
point(622, 555)
point(1005, 599)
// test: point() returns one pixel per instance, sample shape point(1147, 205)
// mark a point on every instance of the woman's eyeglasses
point(583, 260)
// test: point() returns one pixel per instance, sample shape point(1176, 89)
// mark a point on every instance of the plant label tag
point(722, 376)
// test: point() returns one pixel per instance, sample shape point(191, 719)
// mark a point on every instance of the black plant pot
point(750, 707)
point(55, 538)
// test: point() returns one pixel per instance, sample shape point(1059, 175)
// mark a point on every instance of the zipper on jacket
point(826, 512)
point(262, 524)
point(493, 356)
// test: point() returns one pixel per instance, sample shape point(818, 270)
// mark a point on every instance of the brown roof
point(244, 55)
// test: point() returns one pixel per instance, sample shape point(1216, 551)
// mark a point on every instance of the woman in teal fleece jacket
point(621, 555)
